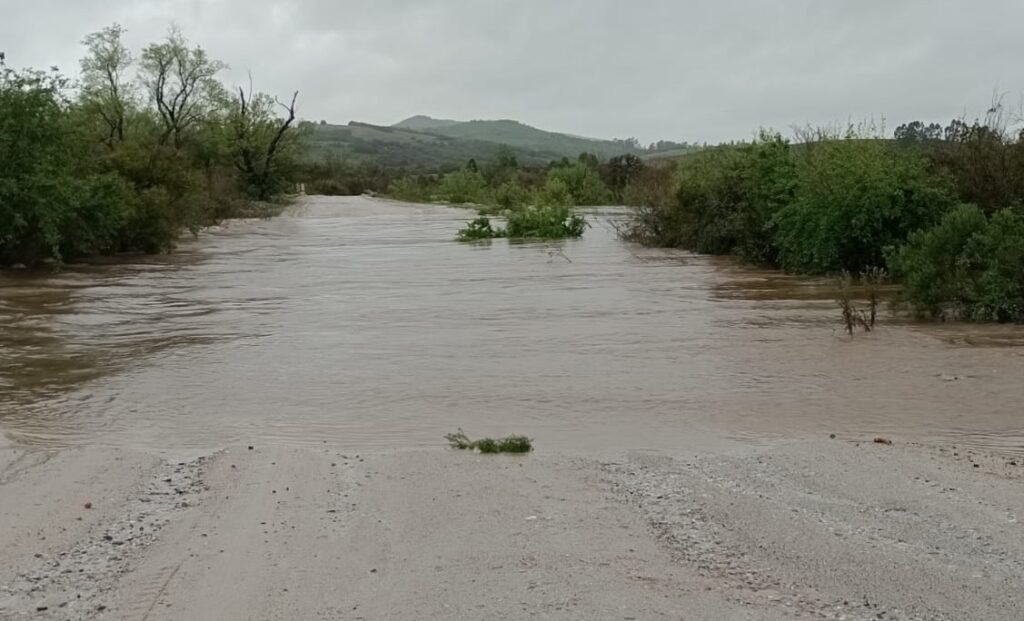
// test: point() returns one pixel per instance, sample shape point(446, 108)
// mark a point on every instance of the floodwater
point(362, 324)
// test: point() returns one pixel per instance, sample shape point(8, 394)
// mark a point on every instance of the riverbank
point(810, 529)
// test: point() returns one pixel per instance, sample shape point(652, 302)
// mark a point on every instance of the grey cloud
point(656, 69)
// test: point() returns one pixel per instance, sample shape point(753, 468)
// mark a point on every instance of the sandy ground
point(819, 530)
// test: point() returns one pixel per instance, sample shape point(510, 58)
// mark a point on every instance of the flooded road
point(362, 324)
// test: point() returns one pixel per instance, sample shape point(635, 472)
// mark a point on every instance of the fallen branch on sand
point(509, 444)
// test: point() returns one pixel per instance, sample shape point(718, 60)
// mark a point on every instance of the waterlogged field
point(364, 324)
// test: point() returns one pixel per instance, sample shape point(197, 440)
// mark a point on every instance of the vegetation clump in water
point(510, 444)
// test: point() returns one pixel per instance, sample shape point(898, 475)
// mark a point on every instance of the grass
point(509, 444)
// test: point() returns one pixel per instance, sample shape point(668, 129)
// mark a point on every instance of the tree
point(105, 88)
point(621, 170)
point(181, 84)
point(262, 142)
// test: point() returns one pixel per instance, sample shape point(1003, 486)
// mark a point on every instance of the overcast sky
point(679, 70)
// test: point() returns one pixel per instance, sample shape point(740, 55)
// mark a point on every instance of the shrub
point(511, 195)
point(462, 186)
point(725, 201)
point(479, 229)
point(547, 222)
point(967, 266)
point(410, 189)
point(576, 184)
point(854, 199)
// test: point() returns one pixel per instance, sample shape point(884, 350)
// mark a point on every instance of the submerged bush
point(968, 266)
point(479, 229)
point(547, 222)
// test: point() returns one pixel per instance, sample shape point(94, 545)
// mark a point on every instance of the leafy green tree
point(621, 171)
point(47, 210)
point(181, 83)
point(106, 90)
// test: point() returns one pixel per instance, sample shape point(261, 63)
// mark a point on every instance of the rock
point(832, 436)
point(883, 441)
point(88, 505)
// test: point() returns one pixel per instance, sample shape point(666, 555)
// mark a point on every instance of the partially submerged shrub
point(509, 444)
point(479, 229)
point(545, 222)
point(966, 267)
point(853, 315)
point(725, 201)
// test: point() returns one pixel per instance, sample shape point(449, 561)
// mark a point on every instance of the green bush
point(512, 195)
point(479, 229)
point(854, 199)
point(545, 222)
point(410, 189)
point(725, 202)
point(575, 184)
point(462, 186)
point(967, 266)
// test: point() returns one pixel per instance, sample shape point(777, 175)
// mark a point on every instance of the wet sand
point(833, 529)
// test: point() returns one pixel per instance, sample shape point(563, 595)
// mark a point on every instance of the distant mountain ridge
point(427, 144)
point(421, 122)
point(517, 135)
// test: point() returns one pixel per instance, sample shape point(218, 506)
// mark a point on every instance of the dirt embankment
point(804, 530)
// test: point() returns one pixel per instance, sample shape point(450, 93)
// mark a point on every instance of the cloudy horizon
point(664, 70)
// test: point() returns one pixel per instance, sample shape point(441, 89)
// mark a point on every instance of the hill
point(421, 123)
point(428, 144)
point(521, 136)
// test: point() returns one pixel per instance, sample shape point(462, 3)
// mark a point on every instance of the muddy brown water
point(362, 324)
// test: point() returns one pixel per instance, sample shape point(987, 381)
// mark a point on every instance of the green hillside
point(421, 123)
point(428, 144)
point(401, 148)
point(521, 136)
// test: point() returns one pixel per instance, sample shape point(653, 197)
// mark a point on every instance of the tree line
point(133, 151)
point(940, 209)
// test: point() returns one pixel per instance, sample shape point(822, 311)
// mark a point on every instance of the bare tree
point(105, 87)
point(181, 84)
point(261, 139)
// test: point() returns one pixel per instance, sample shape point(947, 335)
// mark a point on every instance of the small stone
point(251, 447)
point(832, 436)
point(373, 571)
point(88, 505)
